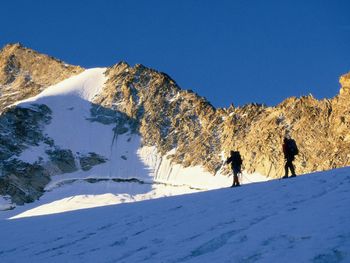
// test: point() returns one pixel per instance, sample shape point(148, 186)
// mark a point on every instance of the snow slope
point(304, 219)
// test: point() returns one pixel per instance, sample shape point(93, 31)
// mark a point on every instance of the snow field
point(304, 219)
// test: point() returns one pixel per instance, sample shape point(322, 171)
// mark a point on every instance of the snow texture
point(5, 203)
point(304, 219)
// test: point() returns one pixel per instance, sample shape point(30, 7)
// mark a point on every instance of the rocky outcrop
point(90, 160)
point(22, 181)
point(22, 128)
point(25, 73)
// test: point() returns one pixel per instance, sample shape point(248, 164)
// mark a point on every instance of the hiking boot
point(285, 177)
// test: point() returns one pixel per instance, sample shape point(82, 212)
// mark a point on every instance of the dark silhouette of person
point(290, 149)
point(236, 163)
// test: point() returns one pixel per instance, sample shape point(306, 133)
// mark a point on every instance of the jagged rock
point(92, 159)
point(63, 159)
point(22, 181)
point(123, 123)
point(21, 128)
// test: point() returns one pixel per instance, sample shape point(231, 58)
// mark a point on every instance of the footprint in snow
point(119, 242)
point(210, 246)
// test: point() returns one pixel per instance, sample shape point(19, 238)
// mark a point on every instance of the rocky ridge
point(171, 118)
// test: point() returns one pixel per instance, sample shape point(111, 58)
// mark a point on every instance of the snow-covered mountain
point(305, 219)
point(132, 133)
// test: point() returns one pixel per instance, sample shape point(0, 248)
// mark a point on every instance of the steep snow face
point(70, 102)
point(304, 219)
point(71, 128)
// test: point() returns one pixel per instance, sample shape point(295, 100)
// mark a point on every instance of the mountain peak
point(10, 47)
point(25, 73)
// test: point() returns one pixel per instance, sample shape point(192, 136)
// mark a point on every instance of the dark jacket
point(235, 160)
point(290, 149)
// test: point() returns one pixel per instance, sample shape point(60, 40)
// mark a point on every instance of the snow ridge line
point(118, 180)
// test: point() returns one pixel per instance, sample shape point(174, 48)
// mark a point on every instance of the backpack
point(237, 157)
point(292, 147)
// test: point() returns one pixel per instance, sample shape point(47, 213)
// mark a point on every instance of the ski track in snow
point(305, 219)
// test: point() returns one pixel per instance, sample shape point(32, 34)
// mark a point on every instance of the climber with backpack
point(290, 150)
point(236, 163)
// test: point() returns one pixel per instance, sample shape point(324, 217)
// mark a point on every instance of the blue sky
point(227, 51)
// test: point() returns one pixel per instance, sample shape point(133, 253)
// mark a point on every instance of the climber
point(290, 149)
point(236, 163)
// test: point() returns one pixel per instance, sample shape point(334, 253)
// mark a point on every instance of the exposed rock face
point(340, 125)
point(92, 159)
point(20, 129)
point(259, 130)
point(172, 118)
point(25, 73)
